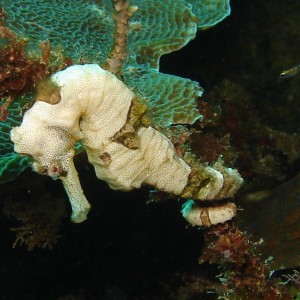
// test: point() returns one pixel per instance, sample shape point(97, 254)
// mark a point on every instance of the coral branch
point(118, 52)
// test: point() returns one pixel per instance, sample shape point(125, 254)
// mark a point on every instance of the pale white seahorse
point(93, 108)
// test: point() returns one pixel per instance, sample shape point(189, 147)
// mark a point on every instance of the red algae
point(19, 70)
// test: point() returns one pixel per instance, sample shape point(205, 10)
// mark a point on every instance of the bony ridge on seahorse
point(94, 107)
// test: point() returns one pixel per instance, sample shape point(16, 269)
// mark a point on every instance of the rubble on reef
point(244, 274)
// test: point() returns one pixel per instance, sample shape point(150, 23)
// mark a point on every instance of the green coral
point(210, 12)
point(168, 96)
point(11, 163)
point(84, 29)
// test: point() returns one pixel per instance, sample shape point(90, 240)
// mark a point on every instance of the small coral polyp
point(96, 109)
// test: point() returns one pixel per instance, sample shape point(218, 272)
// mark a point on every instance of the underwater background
point(134, 247)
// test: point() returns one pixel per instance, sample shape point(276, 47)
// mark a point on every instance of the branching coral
point(119, 50)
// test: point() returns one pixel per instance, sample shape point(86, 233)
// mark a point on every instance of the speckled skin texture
point(94, 107)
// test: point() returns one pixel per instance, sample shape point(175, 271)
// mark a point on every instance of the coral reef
point(265, 143)
point(150, 36)
point(88, 37)
point(244, 273)
point(19, 70)
point(209, 13)
point(249, 118)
